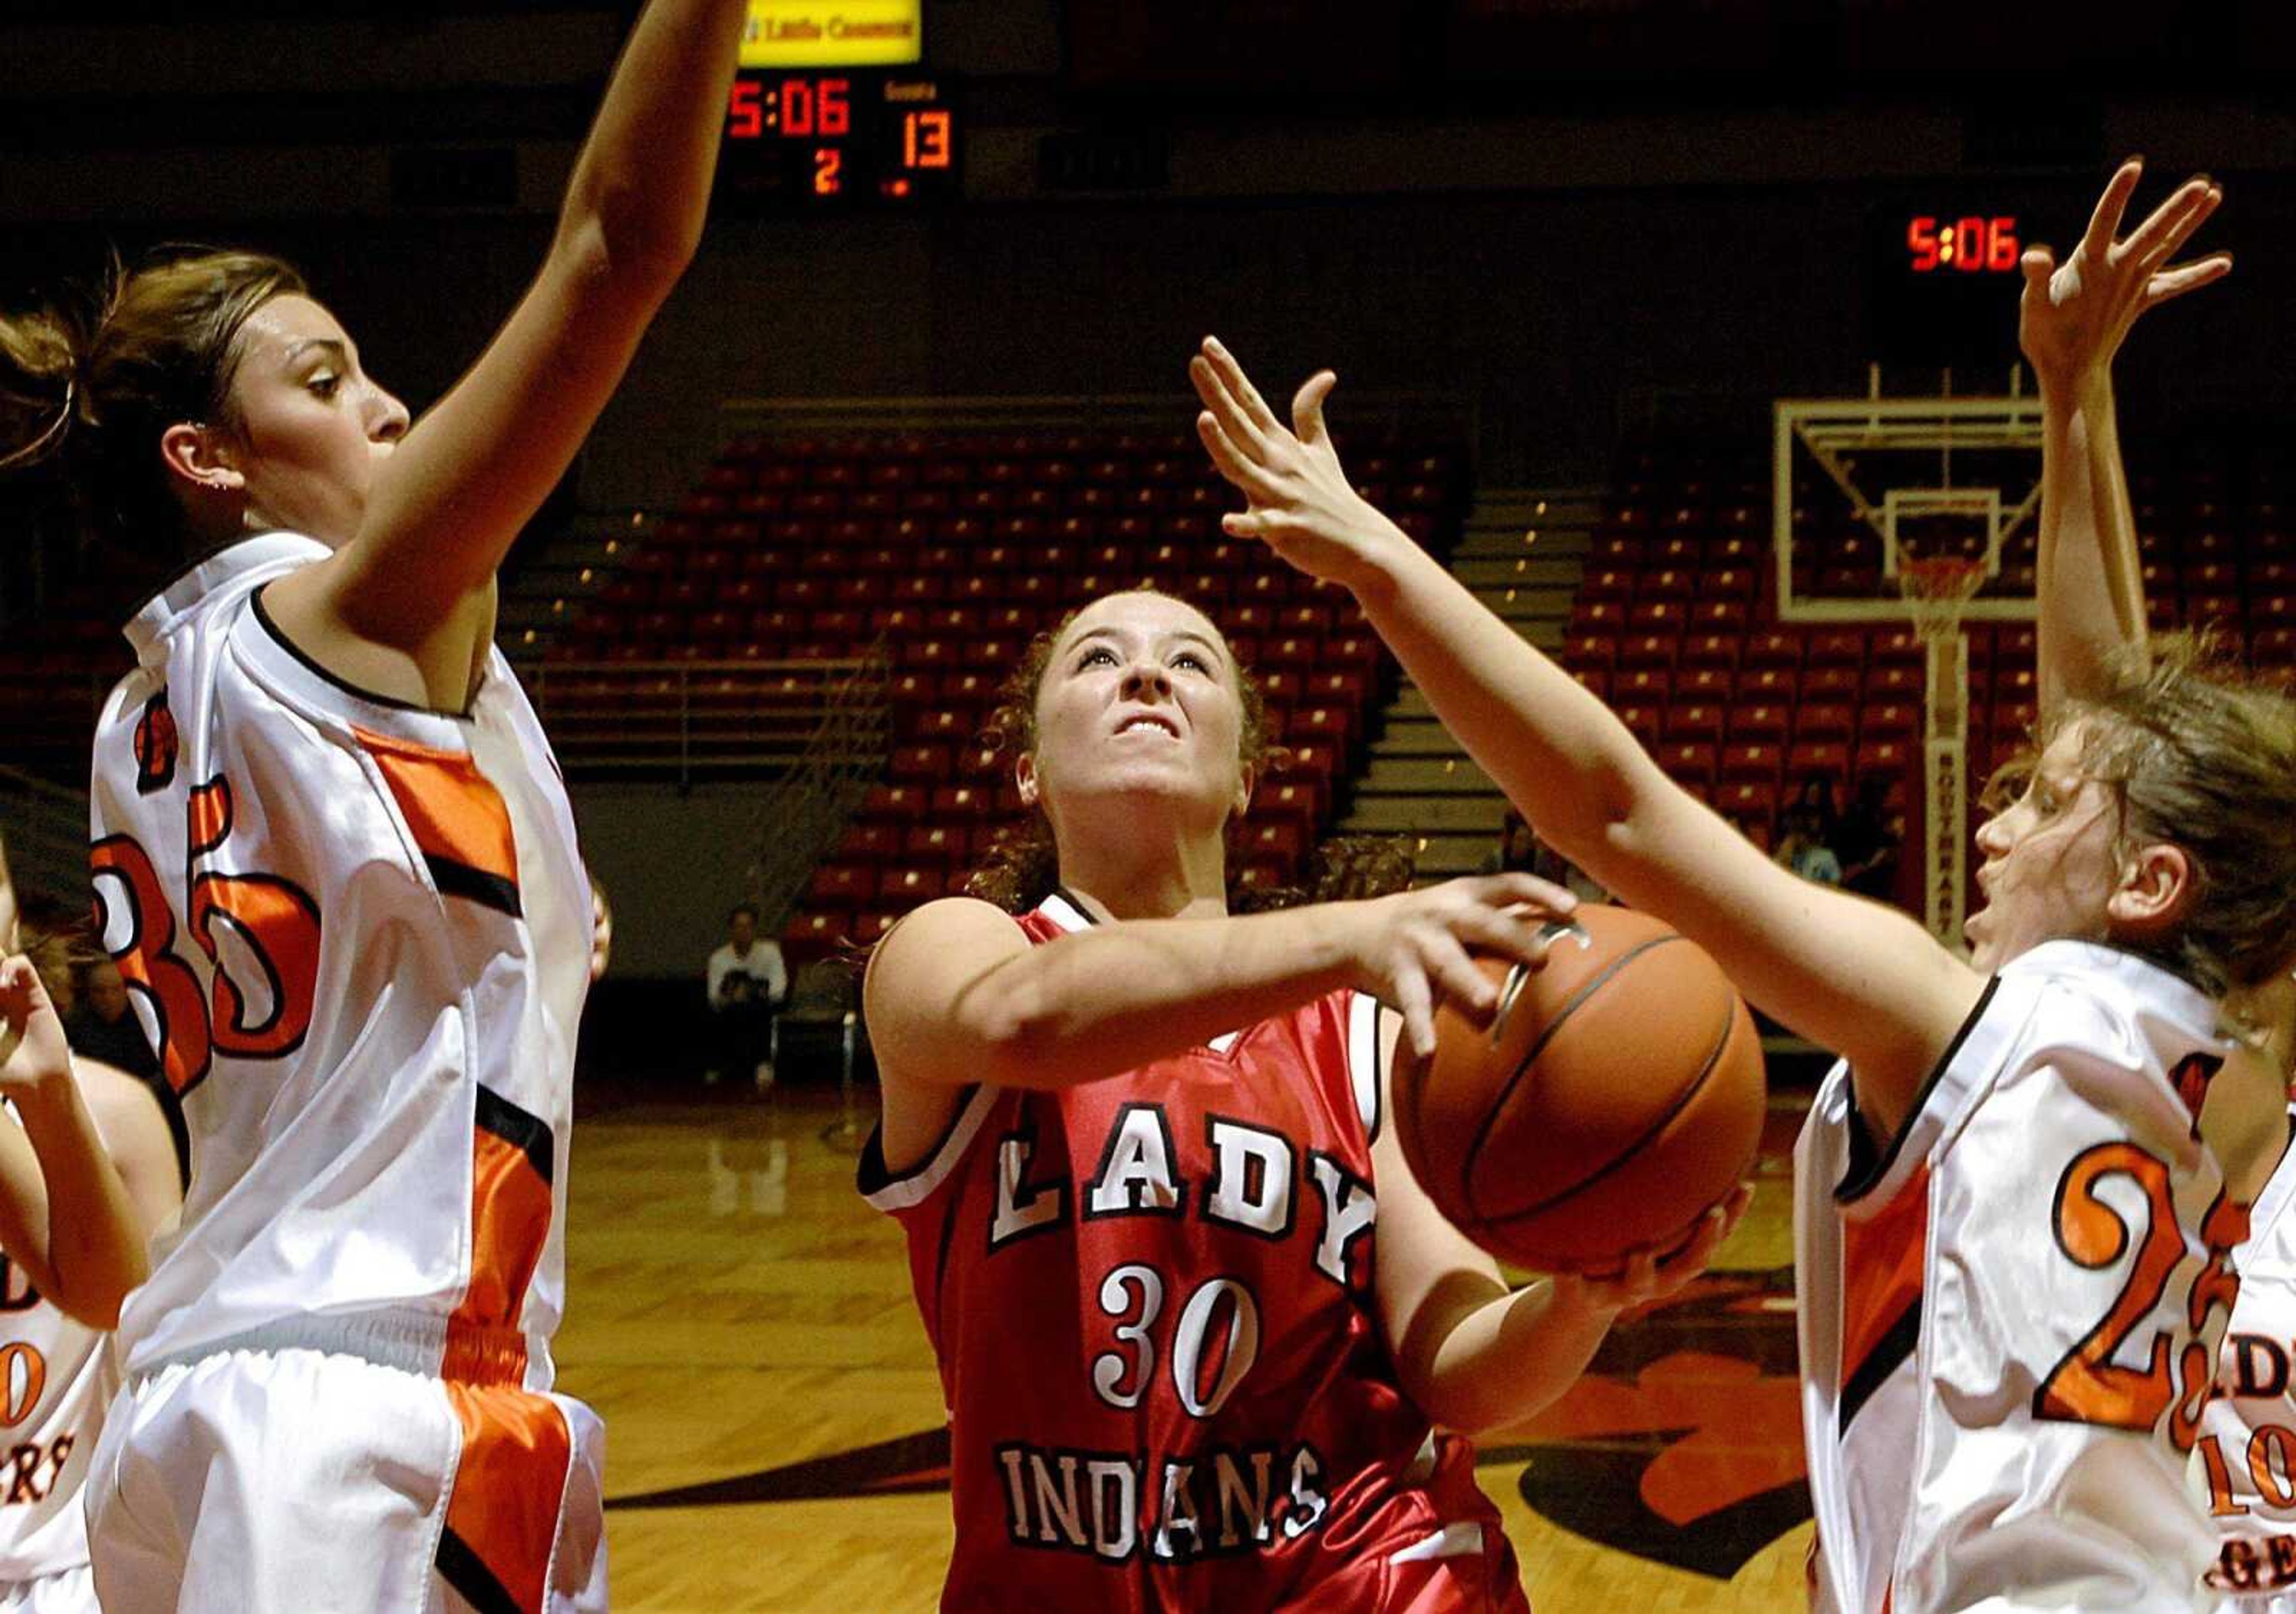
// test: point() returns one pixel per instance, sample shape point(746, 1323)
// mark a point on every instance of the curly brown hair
point(2199, 755)
point(1022, 866)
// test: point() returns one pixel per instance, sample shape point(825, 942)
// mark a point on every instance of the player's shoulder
point(123, 1105)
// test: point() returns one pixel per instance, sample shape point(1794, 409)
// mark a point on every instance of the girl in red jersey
point(1196, 1324)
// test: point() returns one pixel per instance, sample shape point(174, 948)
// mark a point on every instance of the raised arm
point(418, 576)
point(66, 1218)
point(2072, 319)
point(1851, 975)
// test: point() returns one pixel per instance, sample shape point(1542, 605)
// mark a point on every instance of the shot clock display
point(1970, 245)
point(1945, 284)
point(826, 138)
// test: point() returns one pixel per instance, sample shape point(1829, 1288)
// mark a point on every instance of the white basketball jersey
point(2010, 1312)
point(2247, 1453)
point(358, 933)
point(56, 1378)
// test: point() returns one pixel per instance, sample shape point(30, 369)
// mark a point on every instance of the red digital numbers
point(746, 117)
point(822, 107)
point(925, 139)
point(1971, 245)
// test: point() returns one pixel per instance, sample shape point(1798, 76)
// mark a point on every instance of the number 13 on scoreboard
point(926, 138)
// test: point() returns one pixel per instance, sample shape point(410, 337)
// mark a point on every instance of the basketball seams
point(1547, 1034)
point(1673, 1112)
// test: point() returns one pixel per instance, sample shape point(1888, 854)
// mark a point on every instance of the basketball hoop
point(1936, 588)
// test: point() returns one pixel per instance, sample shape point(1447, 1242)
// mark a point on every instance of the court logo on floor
point(1681, 1444)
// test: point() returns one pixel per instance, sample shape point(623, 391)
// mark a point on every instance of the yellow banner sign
point(832, 33)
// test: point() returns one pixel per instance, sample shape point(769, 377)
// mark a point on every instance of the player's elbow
point(616, 251)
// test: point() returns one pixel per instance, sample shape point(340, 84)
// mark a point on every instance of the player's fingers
point(2104, 223)
point(1231, 372)
point(1308, 409)
point(1513, 887)
point(1415, 1003)
point(2040, 264)
point(2202, 208)
point(2165, 228)
point(2171, 283)
point(1227, 458)
point(1457, 978)
point(1245, 524)
point(1227, 406)
point(1516, 933)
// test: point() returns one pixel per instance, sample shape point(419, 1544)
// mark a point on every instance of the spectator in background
point(102, 1025)
point(1802, 845)
point(748, 981)
point(1867, 843)
point(1521, 852)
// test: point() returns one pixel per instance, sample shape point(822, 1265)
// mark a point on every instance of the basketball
point(1618, 1095)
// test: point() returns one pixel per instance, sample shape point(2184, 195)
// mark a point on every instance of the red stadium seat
point(940, 844)
point(1762, 723)
point(1758, 763)
point(1890, 720)
point(1696, 723)
point(1822, 721)
point(841, 885)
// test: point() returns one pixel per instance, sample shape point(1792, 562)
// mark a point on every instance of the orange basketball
point(1617, 1096)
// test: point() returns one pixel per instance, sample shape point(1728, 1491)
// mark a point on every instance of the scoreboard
point(1944, 284)
point(797, 141)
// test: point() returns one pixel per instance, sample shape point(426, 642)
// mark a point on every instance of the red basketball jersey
point(1151, 1301)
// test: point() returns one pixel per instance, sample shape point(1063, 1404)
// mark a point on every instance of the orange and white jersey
point(358, 933)
point(2010, 1311)
point(2247, 1453)
point(56, 1378)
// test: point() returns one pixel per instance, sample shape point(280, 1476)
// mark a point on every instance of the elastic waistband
point(413, 1342)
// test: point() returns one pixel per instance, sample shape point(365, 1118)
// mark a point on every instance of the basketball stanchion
point(1936, 589)
point(846, 1132)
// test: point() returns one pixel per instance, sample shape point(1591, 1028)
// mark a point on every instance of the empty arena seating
point(953, 551)
point(1676, 624)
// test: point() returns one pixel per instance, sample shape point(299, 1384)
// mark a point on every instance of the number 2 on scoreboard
point(828, 171)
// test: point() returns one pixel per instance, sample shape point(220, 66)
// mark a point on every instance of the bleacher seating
point(1676, 623)
point(953, 551)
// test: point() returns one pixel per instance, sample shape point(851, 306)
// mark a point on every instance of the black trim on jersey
point(1868, 1165)
point(1212, 1180)
point(1116, 1132)
point(1074, 901)
point(873, 1176)
point(1888, 1352)
point(456, 879)
point(1380, 1068)
point(521, 1130)
point(464, 1570)
point(371, 697)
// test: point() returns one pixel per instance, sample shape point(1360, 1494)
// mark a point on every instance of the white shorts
point(278, 1482)
point(66, 1592)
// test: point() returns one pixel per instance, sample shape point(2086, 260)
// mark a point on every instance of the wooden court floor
point(742, 1322)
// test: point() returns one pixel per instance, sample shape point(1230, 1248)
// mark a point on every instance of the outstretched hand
point(1646, 1277)
point(1299, 501)
point(2074, 314)
point(1413, 949)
